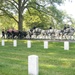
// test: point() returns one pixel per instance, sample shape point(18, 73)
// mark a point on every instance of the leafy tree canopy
point(18, 8)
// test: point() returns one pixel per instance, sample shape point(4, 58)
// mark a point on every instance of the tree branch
point(24, 5)
point(13, 4)
point(1, 15)
point(29, 11)
point(9, 15)
point(24, 2)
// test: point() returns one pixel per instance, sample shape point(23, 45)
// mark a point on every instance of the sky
point(69, 7)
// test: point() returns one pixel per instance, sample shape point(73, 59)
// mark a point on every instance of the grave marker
point(66, 45)
point(3, 43)
point(14, 43)
point(28, 44)
point(45, 44)
point(33, 65)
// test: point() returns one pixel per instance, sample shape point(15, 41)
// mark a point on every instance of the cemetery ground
point(52, 61)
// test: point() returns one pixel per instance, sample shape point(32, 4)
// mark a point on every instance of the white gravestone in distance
point(28, 44)
point(33, 65)
point(3, 43)
point(45, 44)
point(14, 43)
point(66, 45)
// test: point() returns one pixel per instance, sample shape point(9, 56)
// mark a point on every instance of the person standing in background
point(3, 33)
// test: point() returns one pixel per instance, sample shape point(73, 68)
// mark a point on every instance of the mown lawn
point(52, 61)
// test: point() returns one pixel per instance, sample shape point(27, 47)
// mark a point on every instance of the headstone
point(3, 43)
point(33, 65)
point(14, 43)
point(66, 45)
point(45, 44)
point(28, 44)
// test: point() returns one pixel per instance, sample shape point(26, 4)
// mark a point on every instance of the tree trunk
point(20, 17)
point(20, 23)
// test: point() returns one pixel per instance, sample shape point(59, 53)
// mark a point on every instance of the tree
point(7, 23)
point(36, 19)
point(54, 18)
point(18, 7)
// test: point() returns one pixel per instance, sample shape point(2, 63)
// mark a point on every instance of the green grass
point(52, 61)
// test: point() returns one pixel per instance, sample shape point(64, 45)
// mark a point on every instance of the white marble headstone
point(28, 44)
point(66, 45)
point(14, 43)
point(45, 44)
point(33, 65)
point(3, 43)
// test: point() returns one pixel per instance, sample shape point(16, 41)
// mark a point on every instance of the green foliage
point(41, 19)
point(36, 18)
point(7, 23)
point(44, 14)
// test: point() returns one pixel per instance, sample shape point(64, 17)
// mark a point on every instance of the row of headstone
point(14, 43)
point(33, 66)
point(66, 44)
